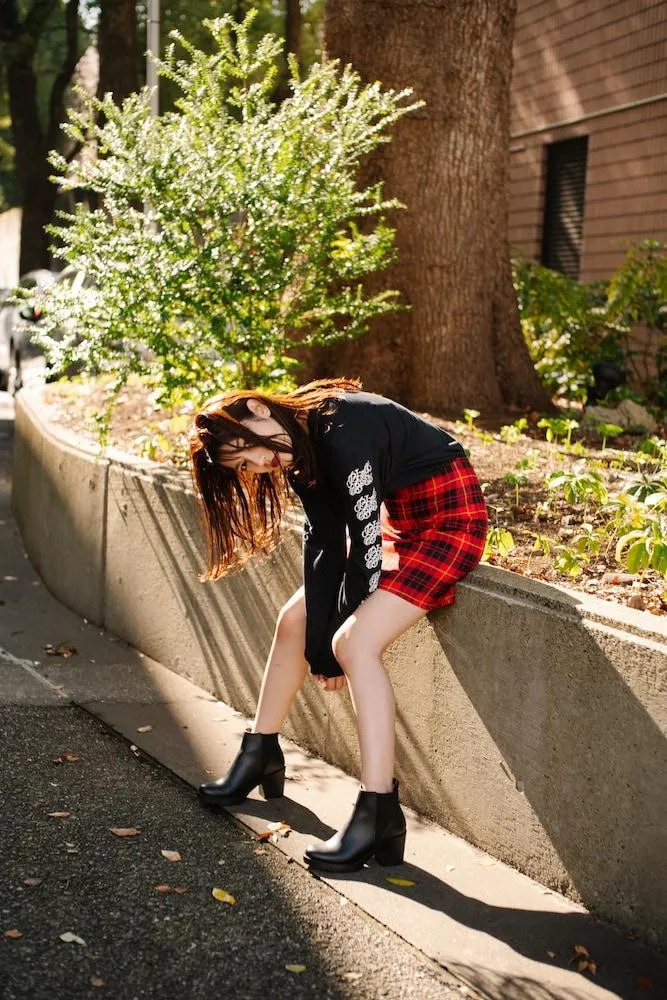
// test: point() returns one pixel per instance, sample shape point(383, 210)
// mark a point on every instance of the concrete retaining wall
point(532, 720)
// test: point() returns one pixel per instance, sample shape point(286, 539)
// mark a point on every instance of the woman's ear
point(258, 409)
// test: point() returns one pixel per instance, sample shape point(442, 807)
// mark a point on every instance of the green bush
point(570, 325)
point(229, 230)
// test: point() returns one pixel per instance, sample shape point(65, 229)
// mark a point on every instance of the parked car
point(16, 323)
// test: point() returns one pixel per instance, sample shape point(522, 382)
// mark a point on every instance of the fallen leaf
point(295, 968)
point(171, 855)
point(398, 881)
point(124, 831)
point(552, 954)
point(134, 749)
point(60, 815)
point(163, 888)
point(593, 968)
point(70, 938)
point(222, 896)
point(13, 933)
point(351, 977)
point(580, 950)
point(264, 836)
point(644, 983)
point(96, 981)
point(64, 649)
point(144, 729)
point(64, 757)
point(32, 881)
point(181, 889)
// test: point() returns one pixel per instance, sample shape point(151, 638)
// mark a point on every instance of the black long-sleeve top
point(366, 448)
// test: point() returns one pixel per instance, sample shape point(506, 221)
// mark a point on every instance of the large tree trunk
point(117, 45)
point(460, 343)
point(31, 141)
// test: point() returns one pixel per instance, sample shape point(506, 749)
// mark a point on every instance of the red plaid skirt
point(433, 534)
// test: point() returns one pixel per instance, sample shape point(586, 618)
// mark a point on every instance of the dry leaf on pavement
point(144, 729)
point(67, 756)
point(295, 968)
point(96, 981)
point(32, 881)
point(70, 938)
point(398, 881)
point(222, 896)
point(60, 815)
point(181, 889)
point(13, 933)
point(163, 888)
point(64, 649)
point(171, 855)
point(124, 831)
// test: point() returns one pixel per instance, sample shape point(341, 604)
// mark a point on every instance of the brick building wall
point(594, 70)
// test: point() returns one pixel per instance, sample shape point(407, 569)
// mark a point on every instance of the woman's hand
point(329, 683)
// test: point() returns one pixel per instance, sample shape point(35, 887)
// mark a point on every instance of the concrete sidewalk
point(496, 931)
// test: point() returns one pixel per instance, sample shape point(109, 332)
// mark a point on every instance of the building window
point(564, 205)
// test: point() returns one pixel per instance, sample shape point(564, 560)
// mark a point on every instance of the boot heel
point(273, 785)
point(391, 852)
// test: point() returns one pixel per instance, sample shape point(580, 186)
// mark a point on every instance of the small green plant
point(516, 479)
point(570, 563)
point(644, 548)
point(511, 433)
point(499, 541)
point(558, 427)
point(578, 485)
point(470, 417)
point(608, 430)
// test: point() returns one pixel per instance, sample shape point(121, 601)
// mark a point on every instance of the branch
point(22, 37)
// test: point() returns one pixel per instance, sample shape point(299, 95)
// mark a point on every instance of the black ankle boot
point(260, 761)
point(377, 827)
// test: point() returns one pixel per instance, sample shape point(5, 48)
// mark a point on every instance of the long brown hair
point(243, 513)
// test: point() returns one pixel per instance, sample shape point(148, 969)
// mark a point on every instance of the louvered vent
point(564, 205)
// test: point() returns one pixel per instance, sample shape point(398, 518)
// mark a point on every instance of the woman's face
point(252, 458)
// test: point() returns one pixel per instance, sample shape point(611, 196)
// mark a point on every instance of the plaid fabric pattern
point(433, 534)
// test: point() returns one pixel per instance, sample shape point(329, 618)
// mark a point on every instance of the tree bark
point(460, 344)
point(31, 141)
point(117, 45)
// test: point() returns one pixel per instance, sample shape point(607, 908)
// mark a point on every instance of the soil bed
point(141, 427)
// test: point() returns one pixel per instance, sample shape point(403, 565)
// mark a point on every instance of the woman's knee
point(291, 622)
point(350, 646)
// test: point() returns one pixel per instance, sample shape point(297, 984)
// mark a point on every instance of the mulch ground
point(141, 427)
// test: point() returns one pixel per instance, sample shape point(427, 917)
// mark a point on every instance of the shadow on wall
point(581, 744)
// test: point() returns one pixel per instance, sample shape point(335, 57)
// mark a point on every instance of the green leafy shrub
point(570, 325)
point(228, 230)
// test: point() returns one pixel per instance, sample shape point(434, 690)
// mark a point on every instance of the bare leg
point(358, 646)
point(286, 667)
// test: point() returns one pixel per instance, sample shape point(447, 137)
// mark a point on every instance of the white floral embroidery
point(359, 478)
point(373, 582)
point(373, 556)
point(371, 532)
point(366, 505)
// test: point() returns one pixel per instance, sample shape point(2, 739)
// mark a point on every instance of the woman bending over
point(346, 454)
